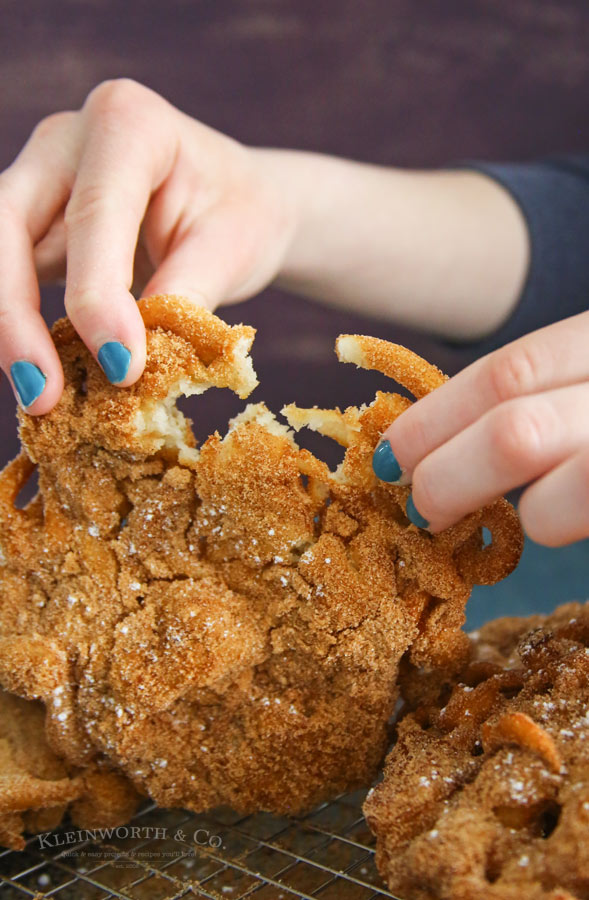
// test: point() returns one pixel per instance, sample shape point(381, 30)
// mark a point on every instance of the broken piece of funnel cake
point(37, 787)
point(223, 624)
point(486, 792)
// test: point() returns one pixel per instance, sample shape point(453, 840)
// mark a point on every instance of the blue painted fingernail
point(115, 360)
point(413, 515)
point(28, 380)
point(384, 463)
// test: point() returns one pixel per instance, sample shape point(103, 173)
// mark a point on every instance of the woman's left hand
point(519, 416)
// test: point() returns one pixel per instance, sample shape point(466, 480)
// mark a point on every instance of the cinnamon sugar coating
point(37, 787)
point(486, 793)
point(223, 624)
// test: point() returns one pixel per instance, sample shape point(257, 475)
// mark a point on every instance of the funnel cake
point(486, 792)
point(223, 624)
point(37, 787)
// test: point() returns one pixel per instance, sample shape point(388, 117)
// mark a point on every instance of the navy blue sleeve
point(554, 198)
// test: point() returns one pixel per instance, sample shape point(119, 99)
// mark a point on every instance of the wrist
point(284, 178)
point(304, 186)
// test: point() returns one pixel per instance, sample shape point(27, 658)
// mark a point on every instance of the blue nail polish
point(28, 380)
point(115, 360)
point(384, 463)
point(413, 515)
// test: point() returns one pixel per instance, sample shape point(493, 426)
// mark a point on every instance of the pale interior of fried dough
point(330, 422)
point(162, 421)
point(349, 350)
point(261, 415)
point(243, 367)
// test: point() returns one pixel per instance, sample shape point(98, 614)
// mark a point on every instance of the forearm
point(445, 251)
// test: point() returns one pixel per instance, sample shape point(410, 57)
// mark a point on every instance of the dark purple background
point(390, 81)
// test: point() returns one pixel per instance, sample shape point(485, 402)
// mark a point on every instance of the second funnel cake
point(485, 794)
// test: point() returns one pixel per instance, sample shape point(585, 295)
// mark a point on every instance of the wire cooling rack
point(172, 854)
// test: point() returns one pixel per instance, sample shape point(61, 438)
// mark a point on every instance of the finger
point(511, 445)
point(31, 192)
point(549, 358)
point(40, 179)
point(184, 272)
point(555, 509)
point(49, 254)
point(184, 264)
point(129, 152)
point(196, 265)
point(142, 269)
point(27, 353)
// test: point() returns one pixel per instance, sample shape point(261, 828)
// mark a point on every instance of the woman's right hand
point(130, 193)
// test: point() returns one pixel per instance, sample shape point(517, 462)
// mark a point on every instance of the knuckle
point(114, 98)
point(50, 125)
point(5, 316)
point(6, 325)
point(414, 434)
point(89, 203)
point(425, 494)
point(8, 212)
point(82, 304)
point(513, 371)
point(518, 432)
point(552, 510)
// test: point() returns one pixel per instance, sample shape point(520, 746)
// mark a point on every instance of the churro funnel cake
point(223, 624)
point(486, 792)
point(37, 787)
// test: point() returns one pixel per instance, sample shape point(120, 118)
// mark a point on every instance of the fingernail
point(384, 463)
point(115, 360)
point(413, 515)
point(28, 380)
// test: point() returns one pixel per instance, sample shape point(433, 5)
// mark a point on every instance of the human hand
point(128, 190)
point(519, 416)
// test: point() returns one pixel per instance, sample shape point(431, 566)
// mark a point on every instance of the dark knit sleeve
point(554, 198)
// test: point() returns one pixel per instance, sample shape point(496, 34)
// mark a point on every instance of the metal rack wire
point(327, 854)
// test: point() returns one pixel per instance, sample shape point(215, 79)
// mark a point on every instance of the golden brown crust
point(188, 350)
point(485, 794)
point(37, 787)
point(393, 360)
point(223, 625)
point(493, 562)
